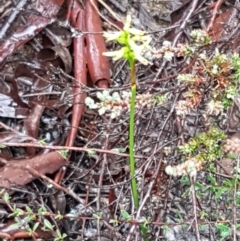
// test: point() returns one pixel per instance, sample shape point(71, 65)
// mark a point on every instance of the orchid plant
point(133, 43)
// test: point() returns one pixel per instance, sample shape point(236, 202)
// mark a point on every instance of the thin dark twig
point(194, 203)
point(39, 175)
point(235, 201)
point(214, 14)
point(186, 20)
point(146, 197)
point(12, 18)
point(104, 163)
point(59, 148)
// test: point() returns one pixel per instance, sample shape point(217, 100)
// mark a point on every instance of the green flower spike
point(134, 44)
point(133, 40)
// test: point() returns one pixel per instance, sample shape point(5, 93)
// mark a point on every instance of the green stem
point(131, 146)
point(131, 136)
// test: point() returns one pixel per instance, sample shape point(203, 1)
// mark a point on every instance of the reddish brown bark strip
point(14, 172)
point(98, 64)
point(77, 19)
point(31, 125)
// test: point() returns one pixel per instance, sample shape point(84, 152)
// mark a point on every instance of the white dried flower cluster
point(115, 103)
point(215, 107)
point(200, 37)
point(182, 108)
point(189, 167)
point(232, 145)
point(166, 51)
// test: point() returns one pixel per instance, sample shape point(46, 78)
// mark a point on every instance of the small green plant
point(224, 230)
point(63, 153)
point(27, 220)
point(114, 221)
point(91, 152)
point(126, 215)
point(42, 142)
point(236, 66)
point(203, 148)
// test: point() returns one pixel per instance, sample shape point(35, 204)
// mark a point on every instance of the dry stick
point(57, 186)
point(103, 16)
point(171, 76)
point(17, 132)
point(39, 175)
point(182, 26)
point(110, 11)
point(12, 18)
point(117, 5)
point(104, 162)
point(214, 14)
point(60, 148)
point(235, 201)
point(194, 203)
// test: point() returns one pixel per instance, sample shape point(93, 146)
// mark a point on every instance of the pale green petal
point(138, 49)
point(127, 23)
point(141, 59)
point(136, 32)
point(112, 35)
point(115, 54)
point(135, 47)
point(145, 39)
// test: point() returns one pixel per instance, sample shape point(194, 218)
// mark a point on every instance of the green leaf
point(2, 146)
point(231, 156)
point(42, 142)
point(48, 225)
point(63, 153)
point(98, 216)
point(15, 226)
point(224, 230)
point(35, 226)
point(212, 180)
point(59, 216)
point(58, 233)
point(29, 210)
point(185, 181)
point(42, 210)
point(91, 152)
point(219, 192)
point(121, 150)
point(198, 186)
point(6, 197)
point(125, 215)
